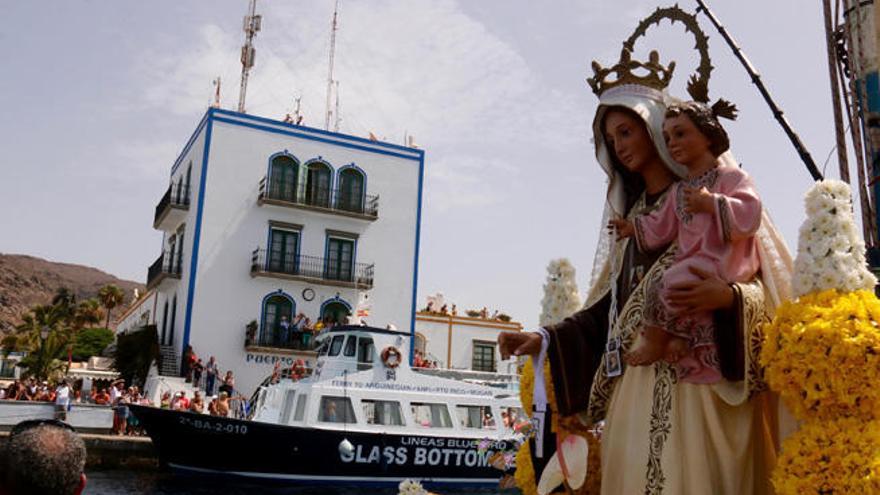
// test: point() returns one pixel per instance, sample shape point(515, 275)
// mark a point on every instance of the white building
point(462, 342)
point(264, 220)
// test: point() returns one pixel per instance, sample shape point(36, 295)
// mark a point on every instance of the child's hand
point(624, 228)
point(698, 200)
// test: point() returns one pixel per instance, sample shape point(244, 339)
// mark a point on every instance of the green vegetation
point(135, 351)
point(90, 342)
point(52, 332)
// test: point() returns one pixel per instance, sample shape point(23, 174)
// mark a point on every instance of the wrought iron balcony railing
point(166, 266)
point(176, 197)
point(336, 200)
point(279, 339)
point(324, 270)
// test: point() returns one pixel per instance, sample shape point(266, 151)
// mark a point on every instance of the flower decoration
point(822, 354)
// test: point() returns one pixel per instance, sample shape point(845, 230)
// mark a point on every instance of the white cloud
point(425, 69)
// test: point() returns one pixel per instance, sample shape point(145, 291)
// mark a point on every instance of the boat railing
point(285, 373)
point(498, 380)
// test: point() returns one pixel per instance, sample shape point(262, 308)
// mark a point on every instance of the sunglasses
point(35, 423)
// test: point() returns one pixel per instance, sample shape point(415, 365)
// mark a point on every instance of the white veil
point(650, 104)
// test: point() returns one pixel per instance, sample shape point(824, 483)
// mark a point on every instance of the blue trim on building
point(354, 250)
point(197, 232)
point(352, 166)
point(336, 299)
point(319, 139)
point(337, 135)
point(266, 298)
point(189, 143)
point(298, 244)
point(319, 159)
point(297, 167)
point(412, 329)
point(207, 123)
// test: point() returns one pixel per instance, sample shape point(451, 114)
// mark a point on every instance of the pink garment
point(721, 243)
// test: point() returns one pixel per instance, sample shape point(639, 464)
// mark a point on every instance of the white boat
point(362, 416)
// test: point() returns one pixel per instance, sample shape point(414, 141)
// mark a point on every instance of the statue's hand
point(698, 200)
point(707, 294)
point(519, 344)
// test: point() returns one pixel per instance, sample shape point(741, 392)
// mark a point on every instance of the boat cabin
point(362, 381)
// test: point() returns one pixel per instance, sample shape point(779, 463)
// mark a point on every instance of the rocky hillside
point(26, 281)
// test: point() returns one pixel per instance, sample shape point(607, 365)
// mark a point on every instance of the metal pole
point(842, 161)
point(869, 225)
point(756, 80)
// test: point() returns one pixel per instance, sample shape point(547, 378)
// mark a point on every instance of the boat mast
point(839, 133)
point(756, 80)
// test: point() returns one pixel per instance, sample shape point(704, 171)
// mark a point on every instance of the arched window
point(283, 178)
point(350, 196)
point(318, 182)
point(277, 310)
point(336, 311)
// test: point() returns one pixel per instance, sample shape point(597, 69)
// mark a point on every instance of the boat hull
point(261, 451)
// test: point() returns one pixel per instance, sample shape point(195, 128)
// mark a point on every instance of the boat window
point(336, 410)
point(365, 353)
point(336, 345)
point(350, 346)
point(323, 348)
point(475, 417)
point(287, 407)
point(382, 412)
point(430, 415)
point(299, 414)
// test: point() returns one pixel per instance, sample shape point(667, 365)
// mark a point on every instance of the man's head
point(42, 458)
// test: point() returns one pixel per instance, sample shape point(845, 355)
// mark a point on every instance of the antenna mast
point(336, 112)
point(248, 53)
point(327, 112)
point(216, 93)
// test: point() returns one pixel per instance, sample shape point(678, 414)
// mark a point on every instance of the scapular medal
point(613, 363)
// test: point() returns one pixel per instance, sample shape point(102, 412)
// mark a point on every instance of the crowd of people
point(447, 310)
point(300, 333)
point(420, 360)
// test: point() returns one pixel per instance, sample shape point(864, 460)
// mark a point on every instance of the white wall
point(465, 331)
point(227, 297)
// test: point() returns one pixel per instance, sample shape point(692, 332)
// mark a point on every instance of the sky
point(99, 97)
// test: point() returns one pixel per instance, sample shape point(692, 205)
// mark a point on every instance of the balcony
point(172, 208)
point(164, 271)
point(312, 269)
point(324, 200)
point(276, 339)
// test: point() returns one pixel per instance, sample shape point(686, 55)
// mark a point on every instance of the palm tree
point(110, 296)
point(86, 313)
point(43, 354)
point(64, 302)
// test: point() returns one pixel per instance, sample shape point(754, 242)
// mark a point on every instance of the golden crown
point(656, 75)
point(653, 73)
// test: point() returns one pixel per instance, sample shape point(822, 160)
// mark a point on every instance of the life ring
point(391, 357)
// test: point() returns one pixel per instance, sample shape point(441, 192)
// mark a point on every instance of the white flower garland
point(831, 252)
point(561, 298)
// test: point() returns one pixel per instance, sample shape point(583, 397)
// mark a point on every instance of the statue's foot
point(644, 354)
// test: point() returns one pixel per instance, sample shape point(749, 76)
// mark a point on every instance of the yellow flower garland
point(525, 476)
point(839, 456)
point(822, 353)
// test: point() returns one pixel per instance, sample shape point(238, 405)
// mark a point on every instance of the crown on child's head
point(657, 76)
